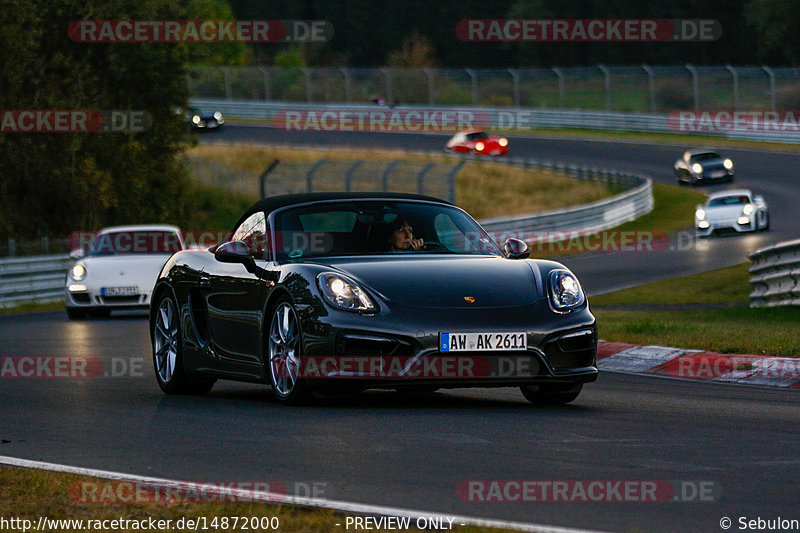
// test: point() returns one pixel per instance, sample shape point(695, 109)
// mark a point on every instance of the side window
point(253, 232)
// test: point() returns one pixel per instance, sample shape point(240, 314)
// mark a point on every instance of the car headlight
point(700, 214)
point(344, 293)
point(747, 209)
point(503, 141)
point(727, 164)
point(703, 224)
point(565, 291)
point(743, 221)
point(479, 146)
point(217, 116)
point(697, 168)
point(196, 119)
point(78, 272)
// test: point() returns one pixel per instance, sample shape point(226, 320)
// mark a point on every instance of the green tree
point(54, 183)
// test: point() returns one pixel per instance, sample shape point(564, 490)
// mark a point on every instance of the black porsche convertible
point(331, 292)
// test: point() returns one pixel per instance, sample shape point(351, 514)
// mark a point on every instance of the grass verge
point(483, 188)
point(673, 207)
point(30, 494)
point(693, 322)
point(31, 307)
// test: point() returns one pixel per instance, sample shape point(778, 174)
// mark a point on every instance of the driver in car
point(402, 237)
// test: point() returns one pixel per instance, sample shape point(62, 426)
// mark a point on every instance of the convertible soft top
point(272, 203)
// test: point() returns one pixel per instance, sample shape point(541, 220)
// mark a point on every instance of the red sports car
point(477, 142)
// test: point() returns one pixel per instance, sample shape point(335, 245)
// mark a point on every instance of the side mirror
point(516, 249)
point(235, 252)
point(77, 253)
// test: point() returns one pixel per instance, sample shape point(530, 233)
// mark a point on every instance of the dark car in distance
point(703, 166)
point(323, 292)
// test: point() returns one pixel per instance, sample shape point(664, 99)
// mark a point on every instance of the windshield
point(729, 200)
point(477, 135)
point(377, 228)
point(135, 242)
point(705, 156)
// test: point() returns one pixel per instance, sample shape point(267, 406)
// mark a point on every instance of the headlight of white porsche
point(747, 209)
point(78, 272)
point(697, 168)
point(344, 293)
point(700, 214)
point(565, 291)
point(727, 164)
point(217, 115)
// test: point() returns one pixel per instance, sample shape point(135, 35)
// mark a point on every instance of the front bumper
point(93, 299)
point(725, 225)
point(561, 349)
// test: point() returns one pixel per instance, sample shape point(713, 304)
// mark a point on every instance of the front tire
point(284, 349)
point(168, 352)
point(551, 394)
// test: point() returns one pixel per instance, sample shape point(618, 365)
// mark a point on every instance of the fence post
point(771, 75)
point(12, 248)
point(349, 174)
point(735, 76)
point(348, 84)
point(421, 178)
point(606, 85)
point(515, 81)
point(310, 175)
point(695, 86)
point(429, 73)
point(309, 88)
point(265, 71)
point(473, 82)
point(226, 73)
point(651, 83)
point(262, 180)
point(388, 75)
point(386, 172)
point(451, 182)
point(561, 88)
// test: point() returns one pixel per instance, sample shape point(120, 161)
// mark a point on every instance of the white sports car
point(119, 269)
point(734, 210)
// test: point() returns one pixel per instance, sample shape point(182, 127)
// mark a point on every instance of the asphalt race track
point(727, 450)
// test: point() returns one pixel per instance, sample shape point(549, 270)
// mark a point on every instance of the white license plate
point(119, 291)
point(482, 342)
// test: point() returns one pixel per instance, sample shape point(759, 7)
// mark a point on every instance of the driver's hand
point(417, 244)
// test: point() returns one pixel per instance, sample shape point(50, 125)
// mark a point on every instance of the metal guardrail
point(636, 201)
point(503, 118)
point(39, 278)
point(775, 275)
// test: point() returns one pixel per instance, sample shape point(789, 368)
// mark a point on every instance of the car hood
point(712, 164)
point(724, 212)
point(445, 281)
point(124, 270)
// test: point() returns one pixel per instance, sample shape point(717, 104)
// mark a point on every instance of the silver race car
point(736, 210)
